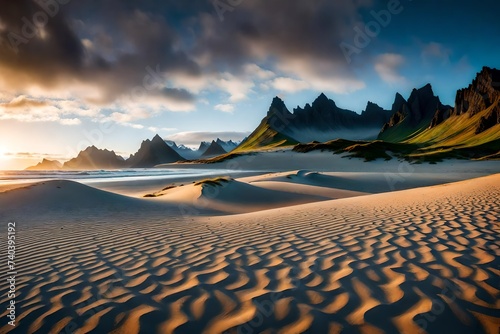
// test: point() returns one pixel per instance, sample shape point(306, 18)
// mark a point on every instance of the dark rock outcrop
point(481, 94)
point(94, 158)
point(153, 152)
point(489, 120)
point(213, 150)
point(226, 145)
point(203, 147)
point(415, 114)
point(46, 164)
point(323, 119)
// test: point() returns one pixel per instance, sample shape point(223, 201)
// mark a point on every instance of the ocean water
point(94, 176)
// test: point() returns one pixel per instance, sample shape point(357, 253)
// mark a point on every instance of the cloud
point(307, 49)
point(133, 60)
point(227, 108)
point(22, 102)
point(289, 85)
point(194, 138)
point(114, 58)
point(237, 87)
point(26, 109)
point(70, 121)
point(436, 51)
point(33, 155)
point(156, 129)
point(387, 66)
point(257, 71)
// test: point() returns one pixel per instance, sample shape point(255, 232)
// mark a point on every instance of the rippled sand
point(412, 261)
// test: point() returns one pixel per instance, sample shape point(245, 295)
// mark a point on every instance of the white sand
point(387, 262)
point(286, 160)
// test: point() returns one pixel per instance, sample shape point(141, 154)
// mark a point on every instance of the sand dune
point(422, 260)
point(51, 200)
point(237, 196)
point(366, 182)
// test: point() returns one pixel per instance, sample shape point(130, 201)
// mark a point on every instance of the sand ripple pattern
point(423, 260)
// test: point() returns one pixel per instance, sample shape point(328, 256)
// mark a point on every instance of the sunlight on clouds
point(237, 87)
point(26, 109)
point(387, 67)
point(319, 75)
point(227, 108)
point(289, 85)
point(257, 71)
point(156, 129)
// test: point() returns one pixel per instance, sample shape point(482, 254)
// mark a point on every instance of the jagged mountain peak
point(412, 115)
point(46, 164)
point(323, 100)
point(157, 137)
point(372, 107)
point(213, 150)
point(322, 97)
point(203, 146)
point(423, 93)
point(153, 152)
point(480, 94)
point(399, 101)
point(91, 148)
point(277, 107)
point(427, 88)
point(172, 144)
point(95, 158)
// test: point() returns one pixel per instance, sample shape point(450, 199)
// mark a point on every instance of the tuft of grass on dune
point(219, 181)
point(368, 150)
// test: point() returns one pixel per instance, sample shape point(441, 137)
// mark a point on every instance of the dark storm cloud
point(112, 54)
point(110, 44)
point(281, 28)
point(179, 95)
point(23, 50)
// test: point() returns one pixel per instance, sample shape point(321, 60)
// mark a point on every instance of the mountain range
point(151, 153)
point(423, 123)
point(46, 164)
point(421, 120)
point(94, 158)
point(213, 150)
point(218, 147)
point(320, 121)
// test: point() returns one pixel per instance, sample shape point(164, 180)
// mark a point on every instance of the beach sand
point(355, 258)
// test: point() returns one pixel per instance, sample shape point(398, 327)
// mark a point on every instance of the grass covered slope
point(264, 137)
point(477, 147)
point(461, 136)
point(368, 150)
point(460, 131)
point(404, 130)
